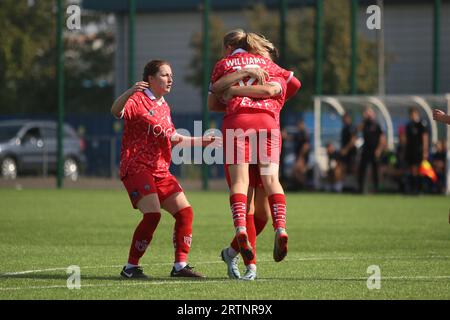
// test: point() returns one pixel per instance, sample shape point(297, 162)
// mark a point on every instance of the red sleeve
point(217, 73)
point(293, 85)
point(130, 111)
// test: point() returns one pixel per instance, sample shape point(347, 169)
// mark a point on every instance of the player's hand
point(139, 86)
point(176, 138)
point(259, 74)
point(438, 115)
point(227, 94)
point(213, 141)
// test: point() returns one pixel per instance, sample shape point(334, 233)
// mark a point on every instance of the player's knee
point(185, 215)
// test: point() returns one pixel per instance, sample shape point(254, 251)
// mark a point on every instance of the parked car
point(31, 147)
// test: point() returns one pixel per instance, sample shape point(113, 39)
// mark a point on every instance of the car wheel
point(9, 168)
point(71, 169)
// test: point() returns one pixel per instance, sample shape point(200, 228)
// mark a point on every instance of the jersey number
point(250, 81)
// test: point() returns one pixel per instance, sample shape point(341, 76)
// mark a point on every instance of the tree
point(28, 60)
point(25, 38)
point(301, 49)
point(217, 30)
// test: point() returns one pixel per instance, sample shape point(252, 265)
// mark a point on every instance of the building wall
point(166, 36)
point(408, 44)
point(408, 32)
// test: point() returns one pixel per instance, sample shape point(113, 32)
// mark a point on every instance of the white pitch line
point(128, 284)
point(147, 283)
point(219, 262)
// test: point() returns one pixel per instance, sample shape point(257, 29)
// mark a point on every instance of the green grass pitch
point(333, 240)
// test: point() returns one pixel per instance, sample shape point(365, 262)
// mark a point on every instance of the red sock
point(238, 204)
point(182, 233)
point(143, 236)
point(278, 209)
point(251, 232)
point(260, 223)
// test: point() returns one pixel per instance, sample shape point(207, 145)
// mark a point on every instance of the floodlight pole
point(131, 41)
point(319, 47)
point(436, 46)
point(447, 128)
point(317, 141)
point(60, 81)
point(381, 63)
point(206, 73)
point(283, 25)
point(318, 89)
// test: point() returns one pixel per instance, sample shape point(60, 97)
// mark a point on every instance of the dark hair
point(413, 110)
point(152, 68)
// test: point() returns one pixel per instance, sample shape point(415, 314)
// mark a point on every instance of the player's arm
point(233, 78)
point(349, 145)
point(119, 103)
point(268, 90)
point(426, 146)
point(186, 141)
point(293, 85)
point(214, 103)
point(441, 116)
point(380, 146)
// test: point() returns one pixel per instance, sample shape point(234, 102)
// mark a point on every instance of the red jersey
point(242, 59)
point(147, 130)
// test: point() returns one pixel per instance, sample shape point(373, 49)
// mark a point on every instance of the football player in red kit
point(148, 137)
point(260, 114)
point(258, 209)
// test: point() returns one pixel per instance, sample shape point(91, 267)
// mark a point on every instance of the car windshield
point(8, 132)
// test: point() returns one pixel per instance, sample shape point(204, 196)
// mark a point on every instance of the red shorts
point(251, 138)
point(144, 183)
point(253, 175)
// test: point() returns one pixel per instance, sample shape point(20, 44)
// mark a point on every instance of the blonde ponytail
point(251, 42)
point(258, 44)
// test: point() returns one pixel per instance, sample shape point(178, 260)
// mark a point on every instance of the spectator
point(348, 148)
point(302, 148)
point(401, 167)
point(416, 148)
point(371, 150)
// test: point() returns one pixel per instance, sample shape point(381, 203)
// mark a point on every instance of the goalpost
point(392, 112)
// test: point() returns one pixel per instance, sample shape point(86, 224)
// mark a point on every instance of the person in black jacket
point(348, 148)
point(417, 147)
point(374, 142)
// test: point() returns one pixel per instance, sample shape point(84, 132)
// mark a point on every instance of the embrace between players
point(251, 90)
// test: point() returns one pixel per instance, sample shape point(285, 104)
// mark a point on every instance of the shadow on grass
point(118, 278)
point(168, 279)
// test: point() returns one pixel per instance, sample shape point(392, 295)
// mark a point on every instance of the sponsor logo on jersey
point(134, 194)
